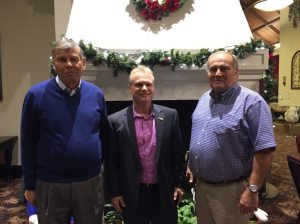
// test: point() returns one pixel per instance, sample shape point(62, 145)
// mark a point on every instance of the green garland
point(121, 62)
point(294, 13)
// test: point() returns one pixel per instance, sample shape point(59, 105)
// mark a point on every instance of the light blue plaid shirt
point(226, 131)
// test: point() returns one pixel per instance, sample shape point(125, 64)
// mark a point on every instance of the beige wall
point(289, 44)
point(26, 29)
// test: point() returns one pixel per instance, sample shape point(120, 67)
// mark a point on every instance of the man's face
point(141, 87)
point(221, 72)
point(69, 66)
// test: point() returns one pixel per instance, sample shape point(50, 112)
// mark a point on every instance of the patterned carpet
point(11, 210)
point(283, 209)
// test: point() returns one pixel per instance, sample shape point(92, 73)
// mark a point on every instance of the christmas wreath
point(156, 9)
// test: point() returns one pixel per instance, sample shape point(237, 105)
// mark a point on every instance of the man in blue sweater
point(63, 130)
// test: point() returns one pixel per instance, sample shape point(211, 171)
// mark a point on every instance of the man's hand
point(248, 202)
point(189, 175)
point(118, 203)
point(178, 195)
point(30, 196)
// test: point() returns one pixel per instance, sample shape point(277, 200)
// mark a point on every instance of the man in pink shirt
point(146, 156)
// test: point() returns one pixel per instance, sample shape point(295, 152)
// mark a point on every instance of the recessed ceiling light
point(272, 5)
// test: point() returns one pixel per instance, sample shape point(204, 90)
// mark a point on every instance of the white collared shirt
point(66, 89)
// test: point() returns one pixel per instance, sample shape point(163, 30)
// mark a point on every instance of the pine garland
point(121, 62)
point(294, 13)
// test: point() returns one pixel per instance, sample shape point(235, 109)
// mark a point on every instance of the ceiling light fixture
point(272, 5)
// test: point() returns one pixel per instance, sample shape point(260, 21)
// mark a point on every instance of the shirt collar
point(226, 94)
point(66, 89)
point(136, 114)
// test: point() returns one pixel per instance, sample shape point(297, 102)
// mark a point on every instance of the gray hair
point(140, 68)
point(66, 44)
point(234, 58)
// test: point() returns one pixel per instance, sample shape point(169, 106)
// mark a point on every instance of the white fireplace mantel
point(182, 84)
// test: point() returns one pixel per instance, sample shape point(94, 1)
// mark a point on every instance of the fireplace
point(182, 84)
point(180, 89)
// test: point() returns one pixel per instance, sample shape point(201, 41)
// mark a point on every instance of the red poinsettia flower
point(165, 61)
point(270, 54)
point(165, 8)
point(152, 9)
point(154, 6)
point(145, 13)
point(175, 6)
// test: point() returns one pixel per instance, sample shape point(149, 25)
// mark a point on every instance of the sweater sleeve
point(29, 138)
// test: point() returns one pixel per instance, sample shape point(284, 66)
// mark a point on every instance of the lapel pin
point(160, 118)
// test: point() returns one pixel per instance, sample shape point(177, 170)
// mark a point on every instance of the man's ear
point(129, 90)
point(52, 64)
point(84, 62)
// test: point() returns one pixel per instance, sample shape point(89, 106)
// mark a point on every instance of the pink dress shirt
point(146, 140)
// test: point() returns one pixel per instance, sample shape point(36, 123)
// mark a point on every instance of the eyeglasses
point(214, 69)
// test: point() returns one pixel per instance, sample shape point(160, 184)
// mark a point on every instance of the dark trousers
point(57, 202)
point(150, 209)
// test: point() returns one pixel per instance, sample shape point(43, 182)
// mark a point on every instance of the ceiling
point(264, 25)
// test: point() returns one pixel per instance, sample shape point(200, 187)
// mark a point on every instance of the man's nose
point(218, 72)
point(69, 63)
point(144, 87)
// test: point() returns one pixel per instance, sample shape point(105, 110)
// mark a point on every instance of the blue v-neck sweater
point(61, 134)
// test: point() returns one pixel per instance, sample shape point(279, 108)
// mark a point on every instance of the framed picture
point(295, 70)
point(1, 93)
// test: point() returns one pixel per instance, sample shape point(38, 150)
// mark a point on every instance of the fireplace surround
point(185, 83)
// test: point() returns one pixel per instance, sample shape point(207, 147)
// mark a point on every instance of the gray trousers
point(58, 202)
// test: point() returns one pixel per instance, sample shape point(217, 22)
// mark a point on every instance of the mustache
point(217, 79)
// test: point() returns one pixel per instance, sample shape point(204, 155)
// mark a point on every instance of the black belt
point(225, 181)
point(148, 186)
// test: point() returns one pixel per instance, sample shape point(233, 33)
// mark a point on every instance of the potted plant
point(186, 211)
point(113, 217)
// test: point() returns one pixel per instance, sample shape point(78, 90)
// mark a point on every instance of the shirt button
point(198, 143)
point(196, 157)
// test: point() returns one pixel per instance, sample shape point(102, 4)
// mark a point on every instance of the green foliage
point(268, 78)
point(294, 13)
point(113, 217)
point(269, 85)
point(120, 62)
point(241, 51)
point(89, 50)
point(186, 212)
point(140, 5)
